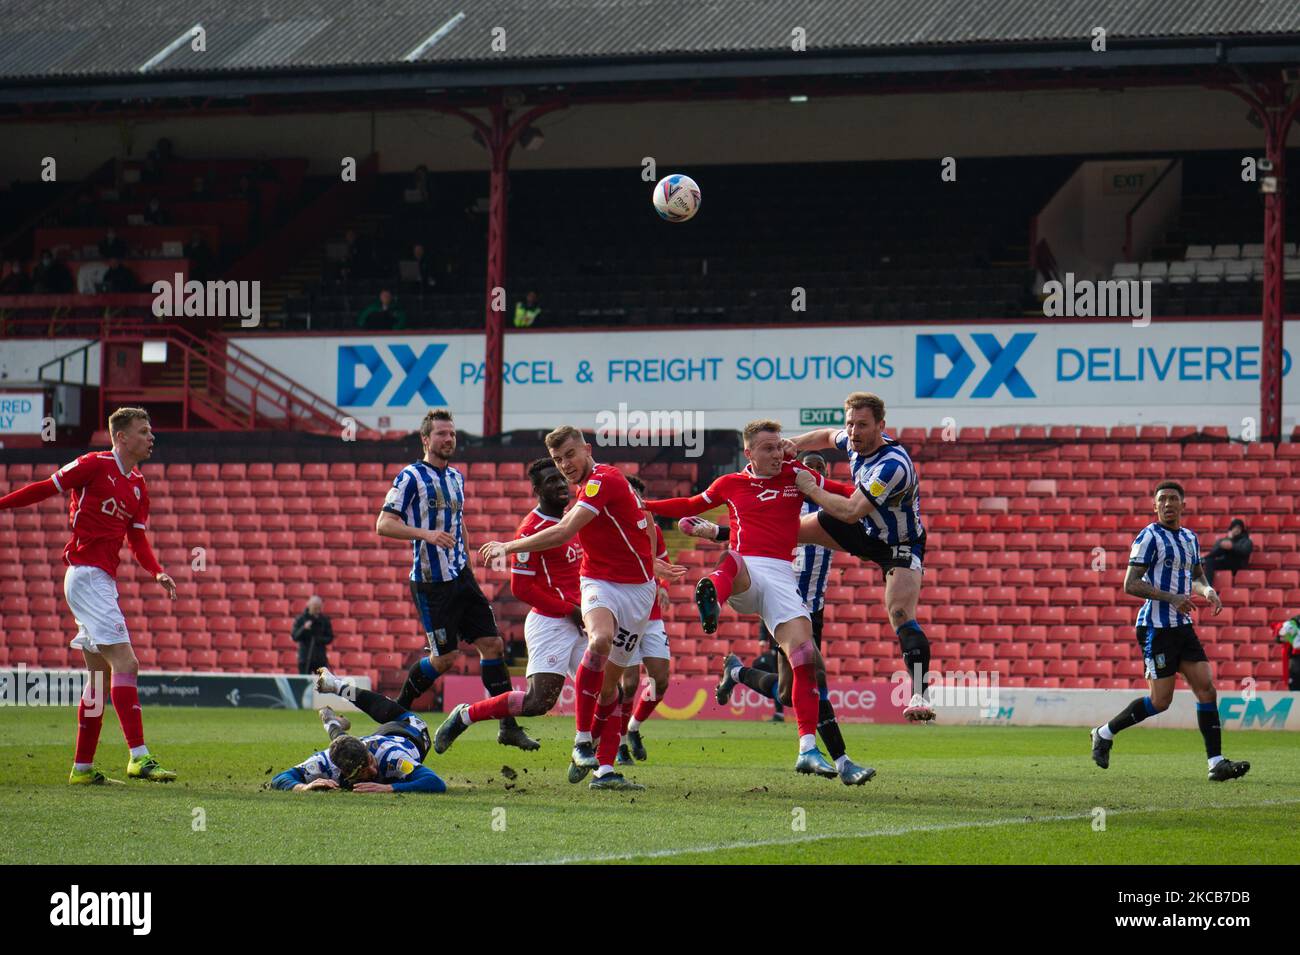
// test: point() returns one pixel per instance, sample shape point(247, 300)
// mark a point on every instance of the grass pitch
point(717, 792)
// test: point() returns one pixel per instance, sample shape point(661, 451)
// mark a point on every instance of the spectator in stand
point(50, 276)
point(153, 213)
point(384, 314)
point(358, 257)
point(1231, 552)
point(766, 661)
point(199, 255)
point(112, 246)
point(15, 280)
point(419, 190)
point(313, 632)
point(526, 312)
point(425, 265)
point(199, 189)
point(118, 279)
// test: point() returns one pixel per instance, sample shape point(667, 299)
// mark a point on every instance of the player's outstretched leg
point(916, 660)
point(335, 725)
point(828, 728)
point(421, 675)
point(126, 703)
point(1103, 737)
point(496, 680)
point(1199, 678)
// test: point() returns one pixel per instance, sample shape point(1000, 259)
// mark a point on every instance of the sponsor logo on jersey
point(522, 556)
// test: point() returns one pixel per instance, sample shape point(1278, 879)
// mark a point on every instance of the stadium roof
point(146, 44)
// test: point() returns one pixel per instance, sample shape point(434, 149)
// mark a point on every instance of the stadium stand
point(1016, 522)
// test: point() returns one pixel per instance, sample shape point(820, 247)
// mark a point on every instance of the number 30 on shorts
point(626, 640)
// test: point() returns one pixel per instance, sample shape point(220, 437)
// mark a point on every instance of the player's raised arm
point(30, 494)
point(816, 440)
point(567, 527)
point(833, 502)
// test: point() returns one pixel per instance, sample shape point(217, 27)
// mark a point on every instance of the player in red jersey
point(654, 654)
point(546, 580)
point(107, 501)
point(756, 575)
point(618, 588)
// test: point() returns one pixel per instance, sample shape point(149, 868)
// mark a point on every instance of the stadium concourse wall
point(1010, 372)
point(31, 686)
point(961, 703)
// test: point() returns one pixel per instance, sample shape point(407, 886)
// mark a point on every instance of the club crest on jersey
point(137, 492)
point(592, 488)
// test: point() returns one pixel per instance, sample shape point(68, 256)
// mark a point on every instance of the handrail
point(62, 359)
point(1128, 218)
point(259, 381)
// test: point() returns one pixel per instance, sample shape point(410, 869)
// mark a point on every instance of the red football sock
point(646, 705)
point(611, 737)
point(127, 703)
point(625, 712)
point(804, 698)
point(90, 717)
point(603, 713)
point(725, 576)
point(497, 707)
point(591, 675)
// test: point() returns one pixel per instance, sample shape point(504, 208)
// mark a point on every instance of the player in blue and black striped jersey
point(1164, 569)
point(389, 760)
point(426, 506)
point(880, 523)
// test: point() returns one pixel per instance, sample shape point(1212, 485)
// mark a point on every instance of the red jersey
point(547, 579)
point(103, 504)
point(615, 545)
point(661, 551)
point(764, 512)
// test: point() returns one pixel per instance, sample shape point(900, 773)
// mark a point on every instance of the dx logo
point(1001, 371)
point(379, 372)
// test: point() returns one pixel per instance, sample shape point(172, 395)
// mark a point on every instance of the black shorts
point(853, 538)
point(1164, 648)
point(817, 616)
point(453, 611)
point(411, 727)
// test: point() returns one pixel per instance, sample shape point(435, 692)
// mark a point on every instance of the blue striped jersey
point(397, 757)
point(425, 496)
point(812, 568)
point(1169, 557)
point(888, 479)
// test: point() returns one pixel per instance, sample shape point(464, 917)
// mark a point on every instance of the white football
point(676, 197)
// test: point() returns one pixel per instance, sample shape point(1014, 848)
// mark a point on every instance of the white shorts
point(92, 594)
point(654, 642)
point(773, 592)
point(630, 604)
point(555, 644)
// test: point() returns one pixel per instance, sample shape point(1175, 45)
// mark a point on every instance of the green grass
point(716, 792)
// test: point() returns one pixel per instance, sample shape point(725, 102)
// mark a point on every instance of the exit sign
point(821, 416)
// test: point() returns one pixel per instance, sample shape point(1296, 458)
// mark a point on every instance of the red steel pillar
point(499, 146)
point(1274, 105)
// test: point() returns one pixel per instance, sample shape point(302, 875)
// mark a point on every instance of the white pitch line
point(894, 831)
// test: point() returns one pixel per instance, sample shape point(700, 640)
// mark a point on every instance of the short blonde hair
point(121, 419)
point(762, 424)
point(561, 435)
point(865, 399)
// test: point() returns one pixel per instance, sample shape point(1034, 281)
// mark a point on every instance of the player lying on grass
point(387, 761)
point(756, 576)
point(811, 565)
point(1164, 569)
point(618, 589)
point(546, 580)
